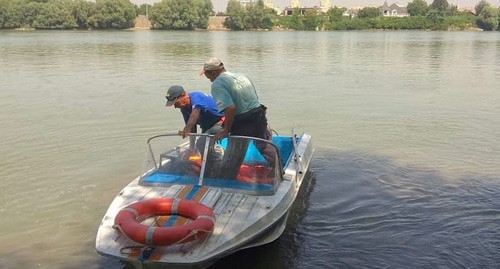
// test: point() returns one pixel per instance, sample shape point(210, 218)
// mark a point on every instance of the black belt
point(249, 114)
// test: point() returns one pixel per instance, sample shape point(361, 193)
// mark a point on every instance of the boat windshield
point(246, 164)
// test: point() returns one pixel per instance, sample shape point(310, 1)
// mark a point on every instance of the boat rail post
point(204, 160)
point(296, 154)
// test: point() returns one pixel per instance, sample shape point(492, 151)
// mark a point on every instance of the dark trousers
point(252, 123)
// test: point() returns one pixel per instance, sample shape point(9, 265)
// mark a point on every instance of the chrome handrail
point(207, 141)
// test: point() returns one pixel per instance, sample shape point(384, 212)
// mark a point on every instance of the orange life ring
point(129, 219)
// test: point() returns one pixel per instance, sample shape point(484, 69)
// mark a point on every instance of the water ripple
point(382, 215)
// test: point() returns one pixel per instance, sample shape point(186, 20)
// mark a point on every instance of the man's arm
point(229, 113)
point(190, 127)
point(191, 123)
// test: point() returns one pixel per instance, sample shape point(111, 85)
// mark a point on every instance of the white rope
point(212, 219)
point(193, 232)
point(131, 210)
point(118, 227)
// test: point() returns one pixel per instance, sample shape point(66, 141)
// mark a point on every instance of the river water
point(406, 127)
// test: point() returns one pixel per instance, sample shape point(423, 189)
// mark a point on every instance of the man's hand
point(185, 131)
point(228, 122)
point(182, 133)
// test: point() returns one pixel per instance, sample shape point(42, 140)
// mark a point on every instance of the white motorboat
point(201, 200)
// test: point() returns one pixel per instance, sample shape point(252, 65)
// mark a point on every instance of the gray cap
point(173, 93)
point(212, 64)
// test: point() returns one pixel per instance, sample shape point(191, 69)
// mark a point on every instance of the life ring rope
point(131, 210)
point(118, 227)
point(193, 232)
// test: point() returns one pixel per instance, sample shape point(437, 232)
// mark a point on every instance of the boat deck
point(234, 212)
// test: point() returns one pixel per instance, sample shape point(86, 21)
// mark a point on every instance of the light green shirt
point(234, 89)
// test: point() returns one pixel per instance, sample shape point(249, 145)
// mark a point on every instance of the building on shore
point(394, 10)
point(324, 6)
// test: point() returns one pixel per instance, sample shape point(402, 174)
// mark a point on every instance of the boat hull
point(243, 220)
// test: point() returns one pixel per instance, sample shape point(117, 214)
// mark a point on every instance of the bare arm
point(191, 126)
point(229, 114)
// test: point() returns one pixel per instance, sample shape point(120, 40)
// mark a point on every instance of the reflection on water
point(406, 124)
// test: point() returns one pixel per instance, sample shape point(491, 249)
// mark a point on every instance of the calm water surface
point(406, 126)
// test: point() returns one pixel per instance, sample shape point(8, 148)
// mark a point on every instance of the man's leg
point(262, 131)
point(233, 157)
point(213, 157)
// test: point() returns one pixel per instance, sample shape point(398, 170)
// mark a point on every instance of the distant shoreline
point(216, 23)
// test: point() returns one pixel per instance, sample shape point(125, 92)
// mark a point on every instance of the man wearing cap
point(236, 97)
point(197, 108)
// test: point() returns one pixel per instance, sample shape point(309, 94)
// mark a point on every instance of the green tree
point(236, 16)
point(180, 14)
point(254, 15)
point(436, 20)
point(28, 12)
point(440, 5)
point(296, 21)
point(143, 9)
point(480, 6)
point(257, 16)
point(184, 17)
point(488, 19)
point(82, 11)
point(113, 14)
point(160, 15)
point(417, 8)
point(336, 14)
point(460, 21)
point(204, 9)
point(10, 11)
point(453, 10)
point(55, 14)
point(310, 20)
point(368, 12)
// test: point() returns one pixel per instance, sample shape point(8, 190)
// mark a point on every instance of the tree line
point(194, 14)
point(439, 15)
point(102, 14)
point(67, 14)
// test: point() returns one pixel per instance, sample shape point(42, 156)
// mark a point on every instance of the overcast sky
point(220, 5)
